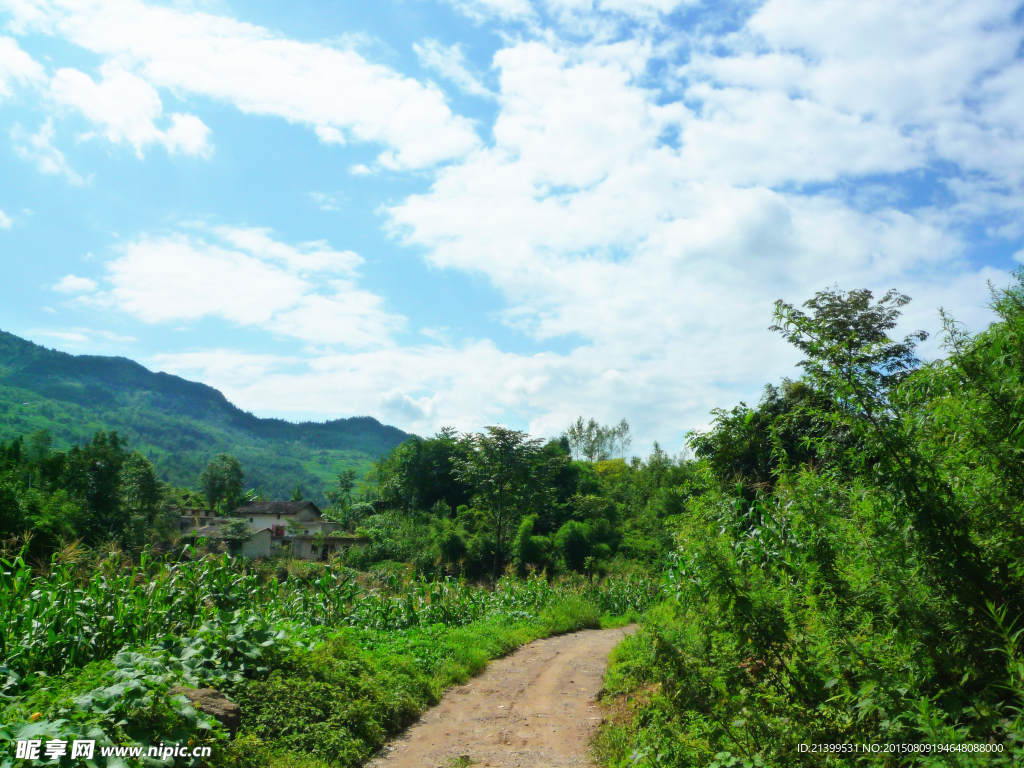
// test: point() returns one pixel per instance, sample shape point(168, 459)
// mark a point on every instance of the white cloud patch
point(325, 201)
point(660, 230)
point(125, 108)
point(333, 90)
point(80, 336)
point(918, 80)
point(226, 365)
point(481, 10)
point(450, 63)
point(244, 276)
point(5, 221)
point(16, 66)
point(38, 148)
point(74, 284)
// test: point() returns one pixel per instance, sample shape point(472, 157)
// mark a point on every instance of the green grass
point(341, 701)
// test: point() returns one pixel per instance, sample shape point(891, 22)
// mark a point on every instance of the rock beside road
point(213, 703)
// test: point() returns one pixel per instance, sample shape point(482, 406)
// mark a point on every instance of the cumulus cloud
point(660, 229)
point(16, 66)
point(5, 221)
point(80, 336)
point(38, 148)
point(227, 366)
point(450, 63)
point(480, 10)
point(335, 91)
point(244, 276)
point(922, 80)
point(125, 108)
point(74, 284)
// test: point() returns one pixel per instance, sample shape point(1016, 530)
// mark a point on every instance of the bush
point(573, 545)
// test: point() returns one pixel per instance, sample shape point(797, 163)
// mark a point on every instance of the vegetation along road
point(535, 708)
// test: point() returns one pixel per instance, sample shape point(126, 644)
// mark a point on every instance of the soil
point(534, 709)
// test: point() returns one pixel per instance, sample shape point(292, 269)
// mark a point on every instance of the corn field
point(62, 620)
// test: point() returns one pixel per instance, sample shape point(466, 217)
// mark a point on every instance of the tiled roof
point(251, 508)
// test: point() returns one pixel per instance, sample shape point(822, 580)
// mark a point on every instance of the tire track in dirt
point(534, 709)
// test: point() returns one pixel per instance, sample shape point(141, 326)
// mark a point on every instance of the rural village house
point(295, 528)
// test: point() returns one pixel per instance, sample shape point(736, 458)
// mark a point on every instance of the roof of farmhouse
point(252, 508)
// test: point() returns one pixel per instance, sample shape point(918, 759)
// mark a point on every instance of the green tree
point(573, 544)
point(235, 532)
point(528, 549)
point(421, 472)
point(851, 359)
point(39, 445)
point(140, 494)
point(92, 475)
point(12, 521)
point(221, 483)
point(503, 469)
point(597, 442)
point(340, 496)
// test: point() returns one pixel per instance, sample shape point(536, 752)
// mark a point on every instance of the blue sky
point(466, 212)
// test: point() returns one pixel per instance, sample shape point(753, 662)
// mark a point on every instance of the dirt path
point(534, 709)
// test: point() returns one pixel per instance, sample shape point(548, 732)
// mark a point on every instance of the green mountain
point(179, 425)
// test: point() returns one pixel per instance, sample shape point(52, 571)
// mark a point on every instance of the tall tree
point(340, 496)
point(851, 358)
point(221, 483)
point(593, 441)
point(421, 472)
point(503, 469)
point(623, 437)
point(140, 493)
point(92, 474)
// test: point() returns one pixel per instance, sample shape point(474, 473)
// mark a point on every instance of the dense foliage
point(478, 504)
point(851, 573)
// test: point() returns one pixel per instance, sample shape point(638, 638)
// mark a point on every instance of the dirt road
point(534, 709)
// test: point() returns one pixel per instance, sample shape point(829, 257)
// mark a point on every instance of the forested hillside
point(179, 425)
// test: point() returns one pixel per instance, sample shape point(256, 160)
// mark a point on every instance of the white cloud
point(74, 284)
point(324, 201)
point(5, 221)
point(450, 62)
point(16, 66)
point(638, 9)
point(74, 337)
point(125, 107)
point(920, 80)
point(38, 148)
point(187, 135)
point(333, 90)
point(246, 277)
point(80, 336)
point(665, 256)
point(231, 368)
point(480, 10)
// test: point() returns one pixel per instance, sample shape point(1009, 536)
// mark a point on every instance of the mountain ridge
point(178, 423)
